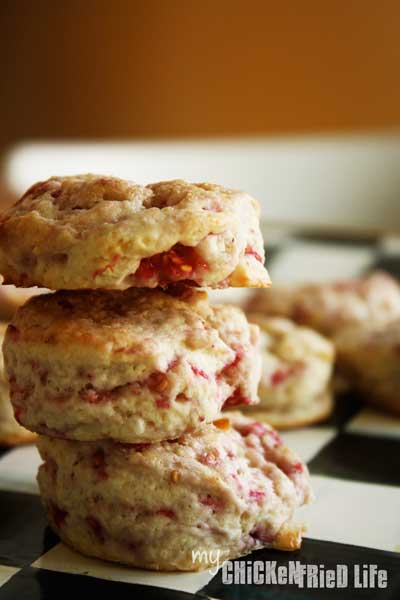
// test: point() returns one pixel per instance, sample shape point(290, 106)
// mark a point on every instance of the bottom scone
point(232, 487)
point(369, 357)
point(297, 363)
point(11, 433)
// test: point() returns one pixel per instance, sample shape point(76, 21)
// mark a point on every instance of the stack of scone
point(125, 370)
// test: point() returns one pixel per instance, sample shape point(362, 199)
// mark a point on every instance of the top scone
point(91, 231)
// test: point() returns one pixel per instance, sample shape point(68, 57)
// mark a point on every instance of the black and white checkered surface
point(354, 460)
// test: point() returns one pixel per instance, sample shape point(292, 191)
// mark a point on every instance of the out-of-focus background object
point(337, 182)
point(151, 68)
point(248, 74)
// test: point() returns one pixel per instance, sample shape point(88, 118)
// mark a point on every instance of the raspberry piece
point(51, 468)
point(199, 372)
point(263, 535)
point(179, 263)
point(237, 398)
point(162, 403)
point(250, 251)
point(216, 504)
point(239, 352)
point(97, 528)
point(280, 375)
point(98, 462)
point(166, 512)
point(14, 333)
point(211, 458)
point(296, 468)
point(58, 514)
point(157, 382)
point(257, 495)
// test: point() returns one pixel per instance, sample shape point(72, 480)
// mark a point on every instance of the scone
point(332, 306)
point(297, 364)
point(132, 366)
point(10, 432)
point(369, 357)
point(91, 231)
point(232, 487)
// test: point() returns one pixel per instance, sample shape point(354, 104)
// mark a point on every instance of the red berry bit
point(109, 267)
point(216, 504)
point(157, 382)
point(19, 413)
point(125, 447)
point(257, 495)
point(237, 398)
point(239, 353)
point(255, 427)
point(211, 458)
point(162, 403)
point(262, 535)
point(275, 437)
point(51, 468)
point(250, 251)
point(93, 396)
point(281, 375)
point(199, 372)
point(14, 333)
point(182, 398)
point(98, 462)
point(40, 371)
point(166, 512)
point(96, 528)
point(17, 394)
point(57, 514)
point(179, 263)
point(297, 467)
point(261, 431)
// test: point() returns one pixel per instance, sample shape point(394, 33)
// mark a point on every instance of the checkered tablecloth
point(354, 460)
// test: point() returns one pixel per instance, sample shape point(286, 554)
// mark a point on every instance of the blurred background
point(312, 86)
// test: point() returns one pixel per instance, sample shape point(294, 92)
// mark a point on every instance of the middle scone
point(132, 366)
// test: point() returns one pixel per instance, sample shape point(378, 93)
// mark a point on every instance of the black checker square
point(370, 459)
point(24, 534)
point(40, 584)
point(314, 552)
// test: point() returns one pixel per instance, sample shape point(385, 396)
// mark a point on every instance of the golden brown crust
point(91, 231)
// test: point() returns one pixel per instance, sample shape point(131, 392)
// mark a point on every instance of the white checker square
point(372, 422)
point(348, 512)
point(61, 558)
